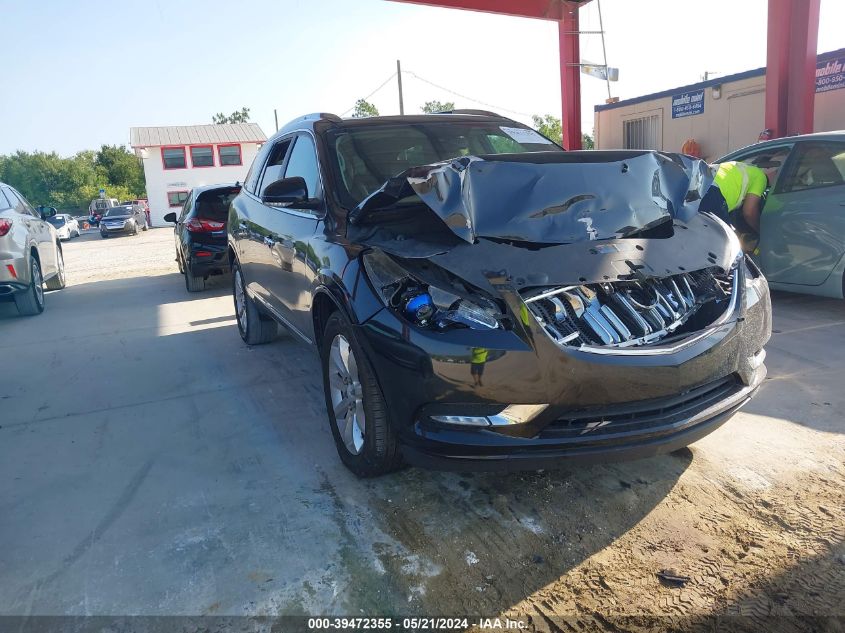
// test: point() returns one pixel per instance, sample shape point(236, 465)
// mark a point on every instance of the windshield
point(366, 157)
point(56, 220)
point(118, 211)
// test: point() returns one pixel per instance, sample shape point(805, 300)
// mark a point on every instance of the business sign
point(830, 75)
point(688, 104)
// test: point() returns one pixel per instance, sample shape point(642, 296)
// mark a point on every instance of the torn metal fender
point(551, 197)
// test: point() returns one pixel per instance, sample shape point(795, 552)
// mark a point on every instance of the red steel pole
point(570, 76)
point(791, 66)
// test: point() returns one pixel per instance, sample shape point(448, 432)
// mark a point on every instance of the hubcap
point(240, 300)
point(346, 394)
point(38, 281)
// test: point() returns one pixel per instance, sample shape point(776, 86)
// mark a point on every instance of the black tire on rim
point(358, 415)
point(192, 283)
point(254, 327)
point(31, 301)
point(59, 280)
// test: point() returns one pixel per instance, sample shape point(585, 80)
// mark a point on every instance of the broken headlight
point(424, 304)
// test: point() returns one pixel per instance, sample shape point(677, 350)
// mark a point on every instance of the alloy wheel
point(38, 283)
point(240, 300)
point(347, 395)
point(61, 267)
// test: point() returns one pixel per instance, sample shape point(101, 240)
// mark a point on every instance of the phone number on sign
point(375, 624)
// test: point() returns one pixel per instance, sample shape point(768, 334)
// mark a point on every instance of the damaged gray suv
point(481, 299)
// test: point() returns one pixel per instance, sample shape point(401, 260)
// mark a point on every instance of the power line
point(386, 81)
point(462, 96)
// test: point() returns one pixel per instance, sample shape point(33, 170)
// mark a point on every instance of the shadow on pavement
point(151, 463)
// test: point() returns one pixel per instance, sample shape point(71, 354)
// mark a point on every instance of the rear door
point(211, 210)
point(803, 222)
point(39, 230)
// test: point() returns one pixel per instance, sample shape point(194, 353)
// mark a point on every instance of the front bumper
point(116, 229)
point(601, 407)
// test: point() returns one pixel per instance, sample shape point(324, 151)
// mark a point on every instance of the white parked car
point(67, 226)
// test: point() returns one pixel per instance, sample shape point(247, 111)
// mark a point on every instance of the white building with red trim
point(178, 158)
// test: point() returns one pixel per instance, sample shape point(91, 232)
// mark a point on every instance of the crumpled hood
point(550, 197)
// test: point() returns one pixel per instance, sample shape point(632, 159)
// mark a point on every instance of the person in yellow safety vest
point(736, 196)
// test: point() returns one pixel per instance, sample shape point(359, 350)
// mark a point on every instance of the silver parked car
point(30, 254)
point(802, 228)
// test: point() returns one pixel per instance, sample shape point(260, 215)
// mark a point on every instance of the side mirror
point(170, 217)
point(285, 192)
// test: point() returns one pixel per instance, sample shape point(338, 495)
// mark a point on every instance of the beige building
point(721, 115)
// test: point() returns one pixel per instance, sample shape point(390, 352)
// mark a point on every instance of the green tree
point(549, 126)
point(71, 183)
point(238, 116)
point(364, 109)
point(431, 107)
point(120, 167)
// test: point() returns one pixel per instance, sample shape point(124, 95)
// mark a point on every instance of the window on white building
point(202, 156)
point(643, 133)
point(173, 157)
point(176, 198)
point(229, 154)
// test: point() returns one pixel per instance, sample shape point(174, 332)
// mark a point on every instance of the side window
point(186, 208)
point(770, 157)
point(275, 163)
point(20, 205)
point(815, 165)
point(303, 162)
point(5, 203)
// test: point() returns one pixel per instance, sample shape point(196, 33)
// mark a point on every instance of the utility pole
point(276, 116)
point(399, 77)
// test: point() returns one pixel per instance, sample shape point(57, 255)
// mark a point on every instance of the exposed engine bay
point(605, 249)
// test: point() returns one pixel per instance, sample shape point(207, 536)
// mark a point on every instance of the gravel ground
point(90, 257)
point(215, 488)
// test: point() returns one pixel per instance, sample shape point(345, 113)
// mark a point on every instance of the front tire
point(31, 301)
point(58, 281)
point(364, 437)
point(254, 327)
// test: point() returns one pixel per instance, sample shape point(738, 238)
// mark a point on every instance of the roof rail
point(469, 111)
point(320, 115)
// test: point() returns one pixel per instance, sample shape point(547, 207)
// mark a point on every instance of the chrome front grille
point(628, 313)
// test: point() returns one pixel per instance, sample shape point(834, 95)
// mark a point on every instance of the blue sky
point(85, 72)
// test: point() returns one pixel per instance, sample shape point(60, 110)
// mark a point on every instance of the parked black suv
point(200, 234)
point(482, 299)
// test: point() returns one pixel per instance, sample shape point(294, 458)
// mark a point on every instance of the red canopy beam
point(791, 66)
point(565, 13)
point(541, 9)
